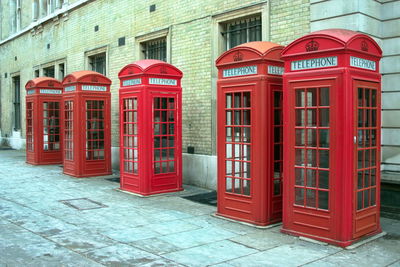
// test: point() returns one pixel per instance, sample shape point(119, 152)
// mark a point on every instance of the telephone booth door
point(249, 136)
point(87, 124)
point(150, 134)
point(43, 121)
point(332, 136)
point(367, 133)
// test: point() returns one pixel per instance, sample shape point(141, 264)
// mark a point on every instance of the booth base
point(251, 224)
point(141, 194)
point(349, 244)
point(44, 163)
point(248, 222)
point(87, 175)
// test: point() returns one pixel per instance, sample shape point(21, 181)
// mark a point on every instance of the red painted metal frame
point(340, 223)
point(249, 187)
point(88, 132)
point(151, 129)
point(43, 133)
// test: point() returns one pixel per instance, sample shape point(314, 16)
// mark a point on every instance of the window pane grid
point(68, 130)
point(51, 126)
point(242, 31)
point(156, 49)
point(367, 151)
point(312, 148)
point(278, 143)
point(130, 135)
point(164, 136)
point(95, 130)
point(237, 143)
point(29, 127)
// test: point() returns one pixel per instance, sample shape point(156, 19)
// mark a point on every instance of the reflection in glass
point(312, 158)
point(300, 157)
point(311, 198)
point(300, 117)
point(300, 137)
point(299, 176)
point(324, 117)
point(323, 179)
point(228, 184)
point(311, 97)
point(324, 96)
point(312, 117)
point(311, 137)
point(323, 158)
point(299, 196)
point(300, 98)
point(323, 200)
point(311, 177)
point(246, 100)
point(323, 138)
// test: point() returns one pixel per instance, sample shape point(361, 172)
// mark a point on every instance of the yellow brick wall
point(191, 34)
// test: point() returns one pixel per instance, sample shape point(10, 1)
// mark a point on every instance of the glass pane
point(228, 151)
point(311, 137)
point(277, 117)
point(246, 134)
point(277, 99)
point(277, 152)
point(366, 198)
point(300, 137)
point(277, 187)
point(299, 176)
point(228, 187)
point(299, 196)
point(373, 177)
point(238, 187)
point(360, 176)
point(228, 167)
point(312, 117)
point(237, 100)
point(323, 179)
point(246, 152)
point(312, 158)
point(300, 98)
point(278, 134)
point(311, 198)
point(373, 118)
point(311, 97)
point(323, 158)
point(246, 187)
point(237, 117)
point(366, 178)
point(359, 200)
point(367, 96)
point(373, 97)
point(300, 157)
point(164, 104)
point(311, 177)
point(228, 134)
point(373, 196)
point(324, 96)
point(300, 117)
point(360, 118)
point(246, 170)
point(323, 138)
point(246, 117)
point(323, 200)
point(228, 100)
point(324, 117)
point(246, 100)
point(360, 97)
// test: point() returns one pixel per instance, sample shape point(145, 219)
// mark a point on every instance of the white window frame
point(96, 51)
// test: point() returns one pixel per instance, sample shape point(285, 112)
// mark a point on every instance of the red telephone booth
point(250, 133)
point(87, 124)
point(43, 117)
point(150, 103)
point(332, 136)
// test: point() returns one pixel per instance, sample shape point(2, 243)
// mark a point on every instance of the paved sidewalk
point(37, 229)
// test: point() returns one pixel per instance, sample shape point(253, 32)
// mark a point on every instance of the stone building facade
point(57, 37)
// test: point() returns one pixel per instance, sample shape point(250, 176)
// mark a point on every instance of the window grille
point(242, 31)
point(155, 49)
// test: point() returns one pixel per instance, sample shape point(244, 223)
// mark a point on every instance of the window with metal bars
point(49, 71)
point(242, 31)
point(155, 49)
point(98, 63)
point(17, 103)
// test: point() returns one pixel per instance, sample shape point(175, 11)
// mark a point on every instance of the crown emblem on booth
point(130, 71)
point(69, 80)
point(94, 79)
point(163, 70)
point(364, 46)
point(238, 56)
point(312, 46)
point(51, 84)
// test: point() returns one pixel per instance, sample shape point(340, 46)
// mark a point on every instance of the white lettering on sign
point(362, 63)
point(69, 88)
point(50, 91)
point(242, 71)
point(313, 63)
point(30, 92)
point(275, 70)
point(94, 88)
point(161, 81)
point(132, 82)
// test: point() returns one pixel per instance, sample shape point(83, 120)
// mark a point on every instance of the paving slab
point(163, 230)
point(208, 254)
